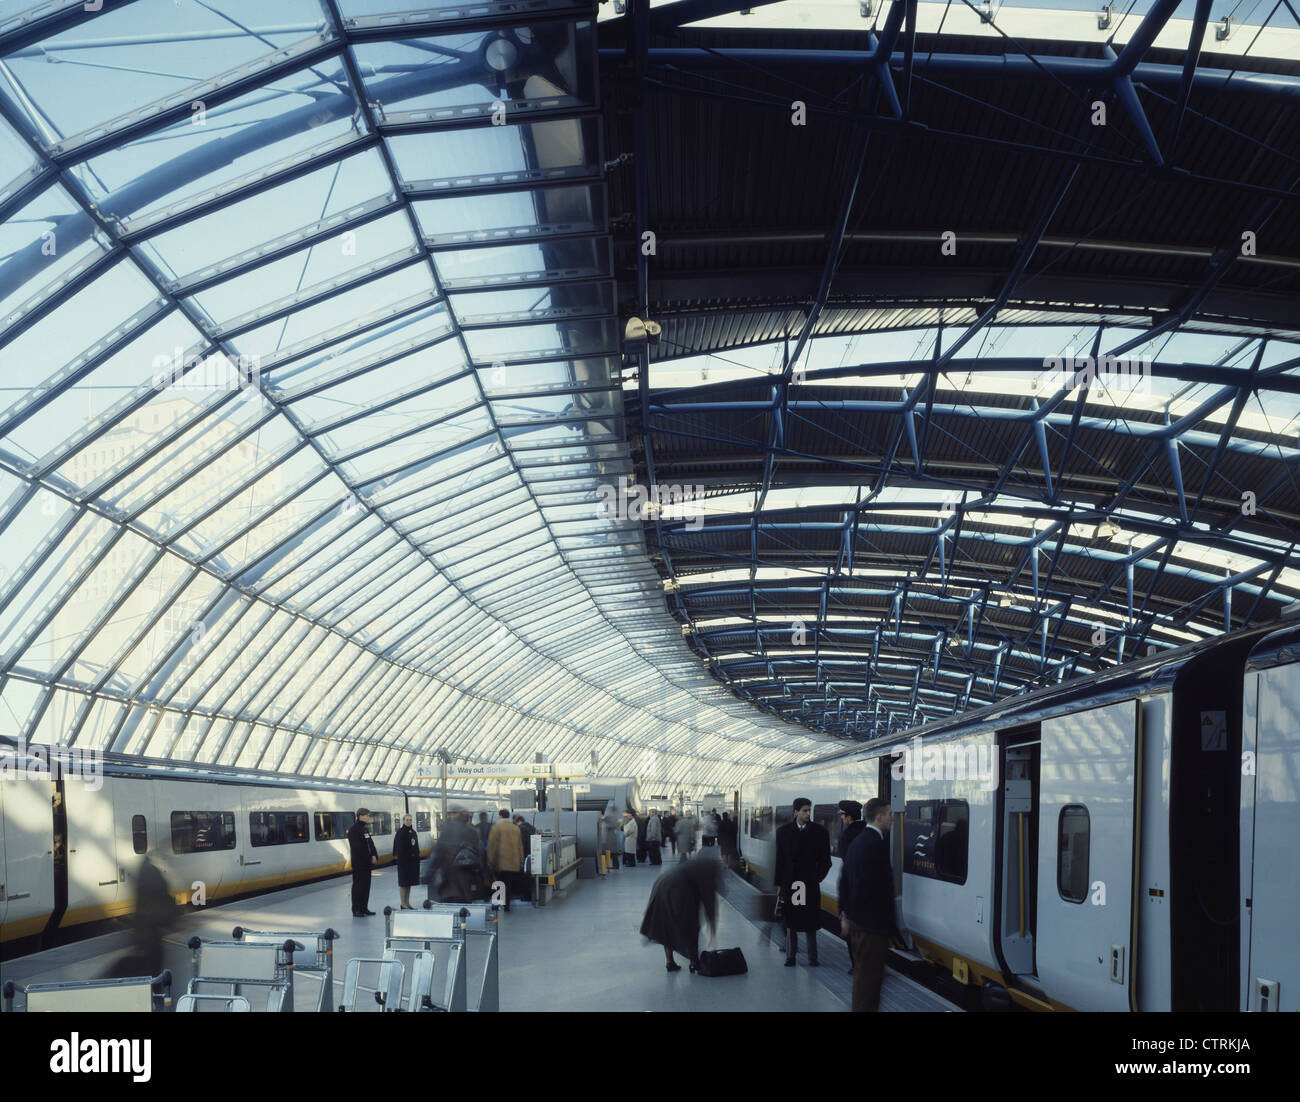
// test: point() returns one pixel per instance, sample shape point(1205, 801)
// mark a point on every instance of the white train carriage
point(1076, 848)
point(71, 849)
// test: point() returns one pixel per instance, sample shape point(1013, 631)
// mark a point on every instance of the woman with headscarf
point(406, 848)
point(672, 917)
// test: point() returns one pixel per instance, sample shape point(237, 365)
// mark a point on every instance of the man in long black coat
point(803, 858)
point(364, 855)
point(672, 917)
point(867, 906)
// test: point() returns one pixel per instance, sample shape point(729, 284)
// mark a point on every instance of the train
point(73, 837)
point(1120, 842)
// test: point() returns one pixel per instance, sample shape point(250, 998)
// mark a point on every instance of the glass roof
point(309, 385)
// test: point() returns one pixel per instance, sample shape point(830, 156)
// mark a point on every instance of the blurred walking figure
point(629, 839)
point(155, 914)
point(670, 830)
point(727, 835)
point(803, 858)
point(851, 818)
point(613, 835)
point(484, 828)
point(672, 917)
point(654, 837)
point(455, 864)
point(709, 829)
point(506, 853)
point(685, 836)
point(406, 848)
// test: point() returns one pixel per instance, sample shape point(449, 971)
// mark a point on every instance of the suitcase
point(722, 962)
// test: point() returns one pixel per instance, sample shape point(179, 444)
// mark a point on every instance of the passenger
point(852, 826)
point(803, 858)
point(454, 866)
point(640, 837)
point(364, 855)
point(406, 848)
point(629, 840)
point(613, 835)
point(709, 829)
point(867, 905)
point(526, 832)
point(484, 828)
point(155, 915)
point(670, 830)
point(654, 837)
point(685, 836)
point(672, 916)
point(505, 853)
point(727, 841)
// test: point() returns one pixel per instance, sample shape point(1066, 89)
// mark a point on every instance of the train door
point(94, 875)
point(1270, 968)
point(893, 788)
point(26, 847)
point(1088, 823)
point(1017, 899)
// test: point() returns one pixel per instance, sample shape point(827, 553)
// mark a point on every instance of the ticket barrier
point(135, 994)
point(243, 964)
point(322, 965)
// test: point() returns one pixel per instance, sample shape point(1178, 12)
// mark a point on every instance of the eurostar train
point(72, 844)
point(1135, 851)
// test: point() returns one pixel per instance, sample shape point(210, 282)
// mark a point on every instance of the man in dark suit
point(852, 826)
point(867, 905)
point(803, 858)
point(364, 855)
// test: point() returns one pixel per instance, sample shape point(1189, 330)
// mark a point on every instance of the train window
point(202, 831)
point(324, 825)
point(1072, 836)
point(765, 818)
point(783, 815)
point(935, 839)
point(277, 828)
point(381, 823)
point(828, 816)
point(139, 834)
point(343, 821)
point(421, 820)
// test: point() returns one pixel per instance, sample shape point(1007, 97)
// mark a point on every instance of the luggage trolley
point(482, 919)
point(237, 964)
point(142, 994)
point(323, 965)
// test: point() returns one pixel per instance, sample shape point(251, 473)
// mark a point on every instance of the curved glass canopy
point(309, 386)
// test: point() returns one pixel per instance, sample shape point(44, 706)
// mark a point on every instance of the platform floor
point(581, 952)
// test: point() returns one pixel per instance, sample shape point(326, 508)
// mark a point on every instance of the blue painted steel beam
point(1140, 41)
point(1199, 23)
point(1088, 72)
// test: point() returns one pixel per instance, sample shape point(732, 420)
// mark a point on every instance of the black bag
point(466, 857)
point(722, 962)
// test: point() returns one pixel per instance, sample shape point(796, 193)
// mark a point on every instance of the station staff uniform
point(362, 847)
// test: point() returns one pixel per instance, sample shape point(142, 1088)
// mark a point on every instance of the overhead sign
point(507, 770)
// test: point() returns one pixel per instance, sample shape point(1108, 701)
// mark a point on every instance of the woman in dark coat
point(672, 917)
point(406, 848)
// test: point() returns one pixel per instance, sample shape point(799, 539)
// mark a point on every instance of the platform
point(581, 952)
